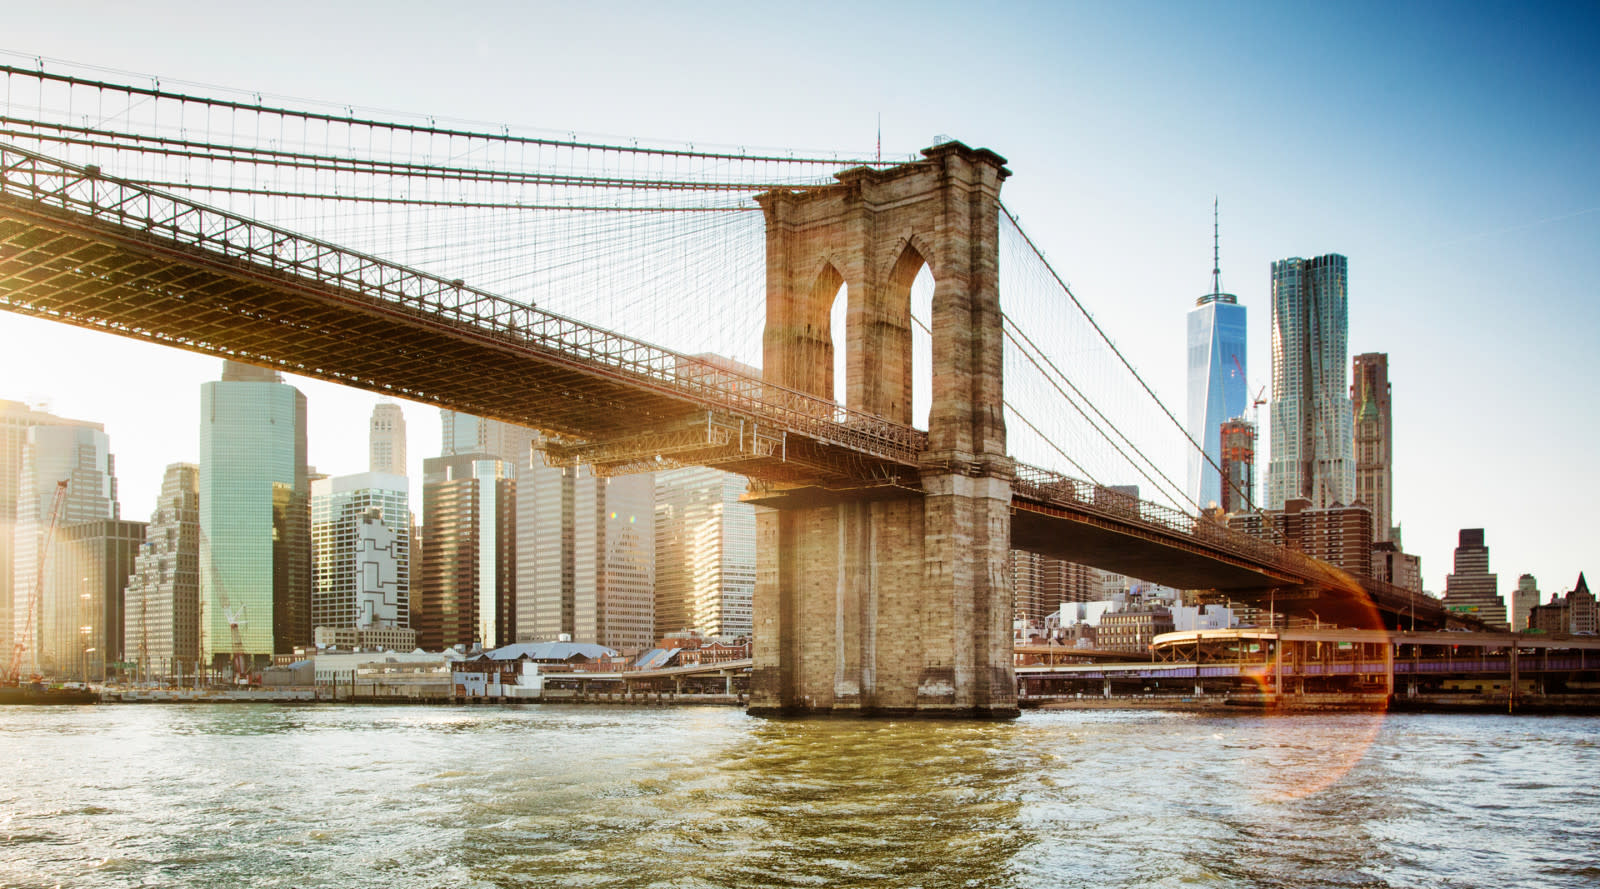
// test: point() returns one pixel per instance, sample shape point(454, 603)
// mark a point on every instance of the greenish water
point(227, 796)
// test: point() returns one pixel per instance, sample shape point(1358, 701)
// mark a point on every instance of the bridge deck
point(82, 248)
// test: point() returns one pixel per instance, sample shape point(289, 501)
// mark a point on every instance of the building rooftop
point(549, 651)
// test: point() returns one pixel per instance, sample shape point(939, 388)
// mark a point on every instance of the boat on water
point(40, 693)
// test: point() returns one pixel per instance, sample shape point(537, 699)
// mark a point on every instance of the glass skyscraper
point(1312, 437)
point(1218, 388)
point(44, 619)
point(255, 517)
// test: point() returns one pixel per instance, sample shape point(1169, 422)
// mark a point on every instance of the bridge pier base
point(887, 607)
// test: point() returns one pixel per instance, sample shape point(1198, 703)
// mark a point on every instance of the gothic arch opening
point(908, 303)
point(825, 328)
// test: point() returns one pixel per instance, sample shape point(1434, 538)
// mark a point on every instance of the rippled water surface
point(231, 796)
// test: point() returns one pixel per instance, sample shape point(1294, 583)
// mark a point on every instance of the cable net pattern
point(661, 242)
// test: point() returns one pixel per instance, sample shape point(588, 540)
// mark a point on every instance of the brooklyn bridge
point(971, 406)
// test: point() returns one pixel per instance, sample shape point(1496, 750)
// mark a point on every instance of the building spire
point(1216, 251)
point(1216, 295)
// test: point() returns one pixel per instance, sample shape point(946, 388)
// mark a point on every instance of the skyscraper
point(15, 418)
point(1523, 600)
point(1374, 441)
point(545, 556)
point(467, 434)
point(161, 626)
point(80, 454)
point(464, 593)
point(84, 605)
point(255, 517)
point(1218, 388)
point(361, 546)
point(705, 553)
point(1471, 589)
point(386, 439)
point(1311, 423)
point(614, 561)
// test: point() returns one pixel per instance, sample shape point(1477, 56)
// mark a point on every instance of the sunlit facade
point(705, 553)
point(79, 454)
point(386, 439)
point(1374, 441)
point(1312, 443)
point(1218, 387)
point(255, 518)
point(613, 542)
point(464, 593)
point(92, 562)
point(162, 613)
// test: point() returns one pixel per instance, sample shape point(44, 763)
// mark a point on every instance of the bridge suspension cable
point(1164, 416)
point(431, 128)
point(652, 240)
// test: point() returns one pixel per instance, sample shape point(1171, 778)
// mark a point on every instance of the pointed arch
point(825, 331)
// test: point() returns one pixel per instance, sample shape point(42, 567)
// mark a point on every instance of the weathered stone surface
point(902, 604)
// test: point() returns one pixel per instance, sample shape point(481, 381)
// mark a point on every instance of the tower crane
point(14, 670)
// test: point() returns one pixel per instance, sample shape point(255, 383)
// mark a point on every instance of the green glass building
point(255, 517)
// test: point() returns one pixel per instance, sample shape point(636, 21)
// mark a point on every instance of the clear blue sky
point(1449, 150)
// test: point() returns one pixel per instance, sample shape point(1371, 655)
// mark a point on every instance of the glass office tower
point(255, 517)
point(1218, 390)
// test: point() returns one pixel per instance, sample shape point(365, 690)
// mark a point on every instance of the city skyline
point(1462, 198)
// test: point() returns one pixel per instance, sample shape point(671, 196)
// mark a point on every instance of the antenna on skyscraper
point(1216, 250)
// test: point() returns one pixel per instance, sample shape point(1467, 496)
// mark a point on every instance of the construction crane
point(235, 615)
point(236, 619)
point(14, 671)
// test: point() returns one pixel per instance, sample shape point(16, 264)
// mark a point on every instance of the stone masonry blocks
point(896, 601)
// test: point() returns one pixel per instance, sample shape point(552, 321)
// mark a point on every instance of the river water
point(346, 796)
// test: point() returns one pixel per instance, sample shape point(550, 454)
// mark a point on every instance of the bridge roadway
point(80, 247)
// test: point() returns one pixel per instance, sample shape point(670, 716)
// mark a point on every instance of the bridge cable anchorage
point(1245, 497)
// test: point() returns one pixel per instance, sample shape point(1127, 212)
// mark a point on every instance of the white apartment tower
point(361, 546)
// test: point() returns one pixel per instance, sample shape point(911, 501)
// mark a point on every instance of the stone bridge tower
point(897, 598)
